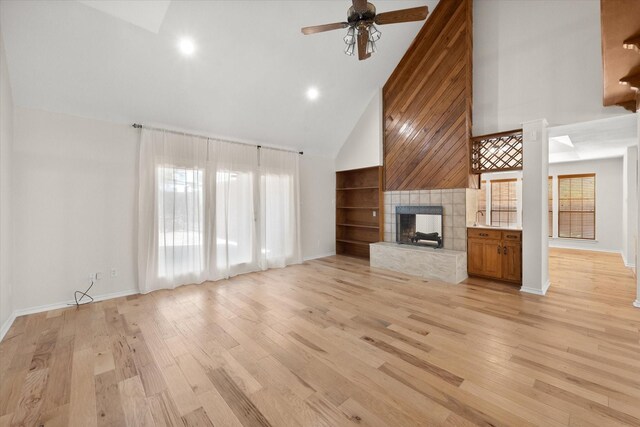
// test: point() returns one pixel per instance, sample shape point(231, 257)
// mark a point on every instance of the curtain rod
point(139, 126)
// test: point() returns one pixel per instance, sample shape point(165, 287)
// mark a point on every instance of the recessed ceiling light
point(313, 93)
point(564, 139)
point(186, 46)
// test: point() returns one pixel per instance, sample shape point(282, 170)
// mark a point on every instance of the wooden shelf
point(359, 210)
point(360, 226)
point(354, 242)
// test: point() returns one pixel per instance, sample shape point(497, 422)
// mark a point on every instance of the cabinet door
point(512, 261)
point(483, 257)
point(492, 259)
point(475, 255)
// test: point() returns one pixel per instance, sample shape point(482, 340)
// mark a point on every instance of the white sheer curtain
point(236, 209)
point(172, 219)
point(279, 201)
point(212, 209)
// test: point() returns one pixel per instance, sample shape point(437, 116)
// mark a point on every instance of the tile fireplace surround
point(460, 206)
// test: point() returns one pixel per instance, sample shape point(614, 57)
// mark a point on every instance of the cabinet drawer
point(512, 236)
point(481, 233)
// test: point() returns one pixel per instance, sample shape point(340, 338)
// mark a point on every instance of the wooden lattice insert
point(497, 152)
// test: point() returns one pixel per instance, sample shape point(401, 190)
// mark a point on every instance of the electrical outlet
point(99, 275)
point(114, 272)
point(375, 214)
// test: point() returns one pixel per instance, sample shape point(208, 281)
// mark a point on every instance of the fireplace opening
point(419, 225)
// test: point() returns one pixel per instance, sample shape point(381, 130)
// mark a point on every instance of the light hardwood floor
point(333, 342)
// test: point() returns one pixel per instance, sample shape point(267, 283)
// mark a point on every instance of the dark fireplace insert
point(419, 225)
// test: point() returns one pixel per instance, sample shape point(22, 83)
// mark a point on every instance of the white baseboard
point(627, 263)
point(608, 251)
point(585, 248)
point(7, 324)
point(58, 305)
point(309, 258)
point(536, 291)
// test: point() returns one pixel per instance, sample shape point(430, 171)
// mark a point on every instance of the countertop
point(488, 227)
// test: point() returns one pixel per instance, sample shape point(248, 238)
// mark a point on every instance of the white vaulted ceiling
point(246, 81)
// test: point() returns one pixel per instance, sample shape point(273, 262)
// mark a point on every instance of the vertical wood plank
point(82, 410)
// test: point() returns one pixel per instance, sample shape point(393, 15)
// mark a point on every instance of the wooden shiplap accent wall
point(427, 105)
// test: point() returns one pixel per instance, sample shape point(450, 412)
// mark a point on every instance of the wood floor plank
point(217, 409)
point(240, 404)
point(134, 403)
point(180, 390)
point(28, 407)
point(109, 411)
point(197, 418)
point(164, 411)
point(58, 417)
point(586, 404)
point(82, 409)
point(421, 364)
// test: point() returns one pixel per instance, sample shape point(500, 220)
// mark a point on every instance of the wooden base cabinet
point(495, 254)
point(512, 261)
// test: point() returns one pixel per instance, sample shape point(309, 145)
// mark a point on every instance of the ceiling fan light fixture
point(371, 47)
point(350, 49)
point(374, 33)
point(350, 38)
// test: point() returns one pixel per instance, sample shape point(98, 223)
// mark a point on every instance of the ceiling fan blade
point(363, 37)
point(360, 6)
point(325, 27)
point(403, 15)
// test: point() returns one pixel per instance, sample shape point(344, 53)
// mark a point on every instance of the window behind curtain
point(180, 221)
point(201, 210)
point(235, 225)
point(279, 242)
point(504, 209)
point(482, 202)
point(550, 198)
point(577, 206)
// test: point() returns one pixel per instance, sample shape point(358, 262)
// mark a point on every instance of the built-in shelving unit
point(359, 210)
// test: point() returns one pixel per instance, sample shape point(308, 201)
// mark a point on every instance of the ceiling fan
point(361, 20)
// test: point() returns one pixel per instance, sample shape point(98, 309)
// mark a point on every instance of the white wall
point(317, 200)
point(75, 189)
point(75, 194)
point(6, 146)
point(363, 147)
point(535, 59)
point(630, 206)
point(608, 203)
